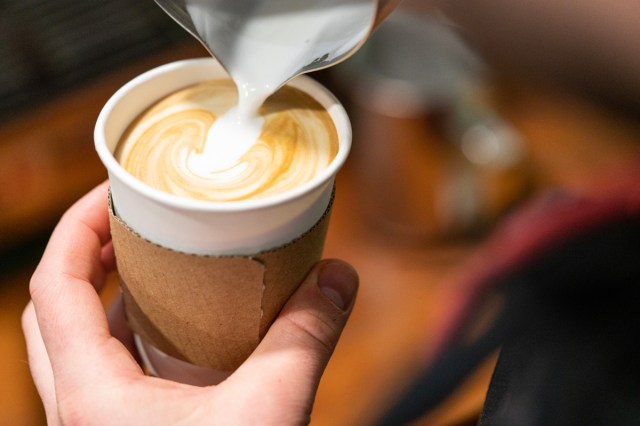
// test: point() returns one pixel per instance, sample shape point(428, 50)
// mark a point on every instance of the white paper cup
point(200, 227)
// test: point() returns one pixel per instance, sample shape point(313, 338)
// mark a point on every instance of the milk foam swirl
point(297, 142)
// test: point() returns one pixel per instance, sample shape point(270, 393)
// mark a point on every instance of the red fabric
point(538, 226)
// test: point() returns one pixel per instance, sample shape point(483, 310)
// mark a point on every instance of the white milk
point(263, 44)
point(227, 140)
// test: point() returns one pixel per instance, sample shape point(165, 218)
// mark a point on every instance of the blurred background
point(454, 127)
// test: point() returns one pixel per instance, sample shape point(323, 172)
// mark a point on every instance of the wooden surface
point(405, 287)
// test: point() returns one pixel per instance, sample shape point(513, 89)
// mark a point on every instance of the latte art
point(297, 142)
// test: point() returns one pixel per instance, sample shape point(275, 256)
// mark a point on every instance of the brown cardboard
point(210, 311)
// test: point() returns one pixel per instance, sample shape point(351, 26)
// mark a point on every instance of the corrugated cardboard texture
point(210, 311)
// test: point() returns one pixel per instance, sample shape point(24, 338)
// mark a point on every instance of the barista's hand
point(86, 376)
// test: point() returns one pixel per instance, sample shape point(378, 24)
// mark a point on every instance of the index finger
point(70, 314)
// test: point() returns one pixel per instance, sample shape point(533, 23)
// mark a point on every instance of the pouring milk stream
point(262, 45)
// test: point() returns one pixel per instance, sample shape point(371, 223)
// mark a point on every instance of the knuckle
point(34, 285)
point(313, 329)
point(38, 292)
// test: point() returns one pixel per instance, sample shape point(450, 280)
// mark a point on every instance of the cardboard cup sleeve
point(210, 311)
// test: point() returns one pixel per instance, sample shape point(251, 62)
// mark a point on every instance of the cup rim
point(320, 93)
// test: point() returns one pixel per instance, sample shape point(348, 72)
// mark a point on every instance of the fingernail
point(339, 282)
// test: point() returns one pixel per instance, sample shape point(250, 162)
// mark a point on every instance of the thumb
point(315, 315)
point(296, 349)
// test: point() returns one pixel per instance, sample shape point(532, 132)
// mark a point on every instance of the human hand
point(86, 375)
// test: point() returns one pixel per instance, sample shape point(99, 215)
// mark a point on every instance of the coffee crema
point(297, 142)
